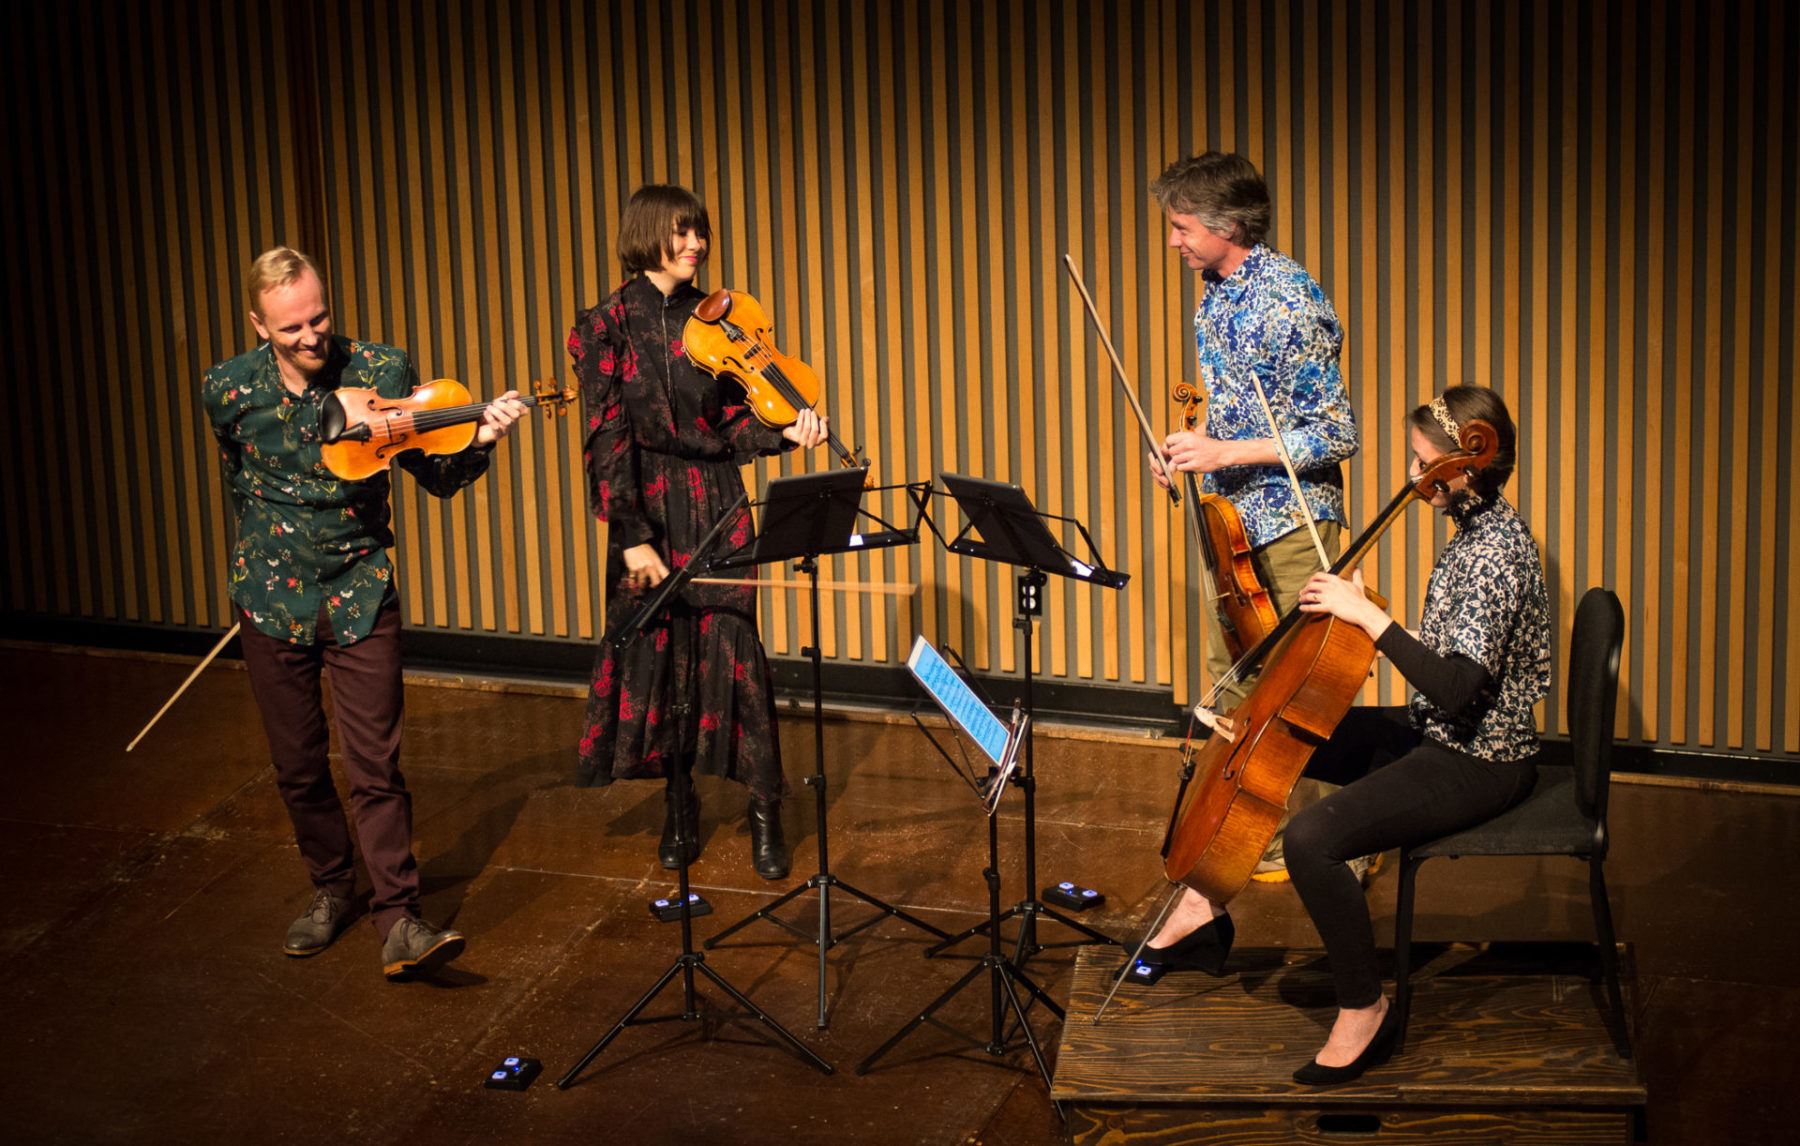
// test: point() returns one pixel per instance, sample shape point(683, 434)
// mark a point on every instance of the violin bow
point(167, 704)
point(1205, 705)
point(1119, 371)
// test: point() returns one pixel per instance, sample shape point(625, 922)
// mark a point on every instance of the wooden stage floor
point(147, 999)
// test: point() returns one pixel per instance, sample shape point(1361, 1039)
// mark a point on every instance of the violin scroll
point(1191, 397)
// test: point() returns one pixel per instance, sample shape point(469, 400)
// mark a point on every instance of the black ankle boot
point(768, 847)
point(669, 852)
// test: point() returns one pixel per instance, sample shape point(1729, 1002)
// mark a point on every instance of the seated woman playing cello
point(1461, 752)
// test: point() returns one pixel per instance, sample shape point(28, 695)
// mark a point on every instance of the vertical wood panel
point(1649, 555)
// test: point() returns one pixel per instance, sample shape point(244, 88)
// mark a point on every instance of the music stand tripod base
point(1004, 977)
point(688, 961)
point(805, 517)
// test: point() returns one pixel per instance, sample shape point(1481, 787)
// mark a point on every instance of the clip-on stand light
point(1011, 530)
point(689, 960)
point(805, 517)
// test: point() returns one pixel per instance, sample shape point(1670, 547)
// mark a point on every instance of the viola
point(363, 431)
point(1246, 611)
point(1313, 665)
point(728, 337)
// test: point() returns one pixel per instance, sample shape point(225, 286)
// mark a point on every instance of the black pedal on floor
point(515, 1073)
point(1066, 894)
point(669, 910)
point(1142, 972)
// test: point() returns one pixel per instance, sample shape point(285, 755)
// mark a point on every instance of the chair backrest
point(1593, 696)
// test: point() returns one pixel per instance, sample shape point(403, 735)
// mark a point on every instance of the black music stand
point(1012, 530)
point(1003, 973)
point(805, 517)
point(689, 960)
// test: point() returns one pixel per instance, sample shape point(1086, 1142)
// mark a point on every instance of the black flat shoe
point(669, 852)
point(1202, 949)
point(1379, 1050)
point(768, 847)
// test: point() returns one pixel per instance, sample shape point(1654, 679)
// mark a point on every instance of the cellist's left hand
point(808, 429)
point(497, 420)
point(1346, 599)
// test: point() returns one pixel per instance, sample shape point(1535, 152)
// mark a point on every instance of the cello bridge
point(1221, 725)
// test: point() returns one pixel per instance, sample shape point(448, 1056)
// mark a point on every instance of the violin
point(1313, 665)
point(728, 337)
point(363, 431)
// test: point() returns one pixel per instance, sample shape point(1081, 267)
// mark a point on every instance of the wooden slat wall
point(1588, 206)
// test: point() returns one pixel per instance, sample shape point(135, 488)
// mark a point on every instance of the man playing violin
point(311, 579)
point(1262, 318)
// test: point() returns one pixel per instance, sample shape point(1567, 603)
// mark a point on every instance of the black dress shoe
point(768, 847)
point(1379, 1050)
point(1202, 949)
point(670, 852)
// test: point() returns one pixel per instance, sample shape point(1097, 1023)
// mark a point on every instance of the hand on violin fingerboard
point(810, 428)
point(497, 420)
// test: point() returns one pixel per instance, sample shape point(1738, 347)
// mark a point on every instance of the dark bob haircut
point(656, 212)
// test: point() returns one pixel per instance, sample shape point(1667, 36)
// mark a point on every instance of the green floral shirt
point(307, 539)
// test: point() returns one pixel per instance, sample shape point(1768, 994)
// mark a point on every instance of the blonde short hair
point(276, 267)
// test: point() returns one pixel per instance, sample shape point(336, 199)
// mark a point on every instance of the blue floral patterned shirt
point(1270, 320)
point(1487, 601)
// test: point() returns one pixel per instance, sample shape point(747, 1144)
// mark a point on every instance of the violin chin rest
point(332, 419)
point(714, 306)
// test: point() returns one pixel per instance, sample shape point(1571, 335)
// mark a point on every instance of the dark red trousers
point(367, 697)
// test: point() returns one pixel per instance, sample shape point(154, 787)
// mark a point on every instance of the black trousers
point(1399, 789)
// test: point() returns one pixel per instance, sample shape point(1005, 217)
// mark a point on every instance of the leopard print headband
point(1441, 412)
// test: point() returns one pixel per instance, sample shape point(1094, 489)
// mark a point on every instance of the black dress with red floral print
point(663, 447)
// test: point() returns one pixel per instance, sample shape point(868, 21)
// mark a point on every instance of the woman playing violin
point(1461, 752)
point(664, 443)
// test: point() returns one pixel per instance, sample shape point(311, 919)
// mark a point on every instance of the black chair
point(1565, 814)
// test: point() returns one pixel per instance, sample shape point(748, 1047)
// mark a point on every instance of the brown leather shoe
point(310, 934)
point(415, 947)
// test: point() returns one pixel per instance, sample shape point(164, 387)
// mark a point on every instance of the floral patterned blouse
point(1268, 319)
point(1486, 601)
point(305, 537)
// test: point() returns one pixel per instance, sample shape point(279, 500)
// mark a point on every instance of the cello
point(1312, 667)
